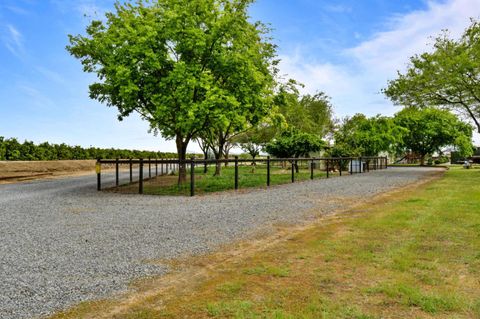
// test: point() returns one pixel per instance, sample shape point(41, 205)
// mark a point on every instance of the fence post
point(328, 168)
point(386, 162)
point(98, 169)
point(311, 169)
point(117, 182)
point(236, 172)
point(351, 166)
point(131, 173)
point(340, 162)
point(156, 167)
point(161, 167)
point(149, 168)
point(268, 170)
point(140, 177)
point(293, 171)
point(192, 176)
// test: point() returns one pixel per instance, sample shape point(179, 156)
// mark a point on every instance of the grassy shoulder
point(411, 254)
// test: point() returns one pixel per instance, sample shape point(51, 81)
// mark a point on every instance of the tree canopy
point(294, 143)
point(360, 135)
point(308, 113)
point(428, 130)
point(449, 76)
point(183, 65)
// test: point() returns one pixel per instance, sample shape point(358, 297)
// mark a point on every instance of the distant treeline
point(12, 150)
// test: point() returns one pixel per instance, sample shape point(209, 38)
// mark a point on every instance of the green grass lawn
point(249, 176)
point(411, 254)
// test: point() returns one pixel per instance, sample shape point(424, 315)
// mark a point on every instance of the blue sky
point(348, 49)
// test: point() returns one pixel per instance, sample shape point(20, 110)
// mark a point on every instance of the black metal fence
point(140, 171)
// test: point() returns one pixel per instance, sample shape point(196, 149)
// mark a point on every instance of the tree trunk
point(218, 156)
point(218, 165)
point(182, 156)
point(422, 160)
point(205, 157)
point(226, 157)
point(218, 168)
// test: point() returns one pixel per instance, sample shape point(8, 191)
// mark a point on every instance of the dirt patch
point(17, 171)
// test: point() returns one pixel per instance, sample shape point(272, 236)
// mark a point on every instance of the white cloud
point(13, 40)
point(355, 86)
point(338, 8)
point(36, 97)
point(413, 33)
point(16, 9)
point(50, 75)
point(88, 8)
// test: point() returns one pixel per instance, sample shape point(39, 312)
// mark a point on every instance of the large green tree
point(428, 130)
point(448, 76)
point(360, 135)
point(308, 113)
point(183, 65)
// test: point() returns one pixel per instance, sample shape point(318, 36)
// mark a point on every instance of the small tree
point(308, 113)
point(430, 129)
point(294, 143)
point(254, 139)
point(183, 65)
point(360, 135)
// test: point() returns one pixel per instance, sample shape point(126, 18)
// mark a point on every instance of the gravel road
point(62, 242)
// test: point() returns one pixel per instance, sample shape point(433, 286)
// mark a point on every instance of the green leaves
point(360, 135)
point(308, 113)
point(294, 143)
point(183, 65)
point(449, 76)
point(430, 129)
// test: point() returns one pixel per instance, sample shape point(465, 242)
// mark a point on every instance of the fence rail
point(152, 168)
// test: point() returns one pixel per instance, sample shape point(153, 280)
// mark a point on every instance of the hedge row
point(12, 150)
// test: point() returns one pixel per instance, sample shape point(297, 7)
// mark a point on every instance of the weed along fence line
point(160, 176)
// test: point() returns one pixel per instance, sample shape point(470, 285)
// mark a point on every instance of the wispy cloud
point(50, 75)
point(355, 84)
point(407, 35)
point(16, 9)
point(37, 98)
point(13, 41)
point(88, 8)
point(339, 8)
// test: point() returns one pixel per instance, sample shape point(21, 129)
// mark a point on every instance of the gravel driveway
point(62, 242)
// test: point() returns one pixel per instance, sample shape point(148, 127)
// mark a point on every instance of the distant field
point(16, 171)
